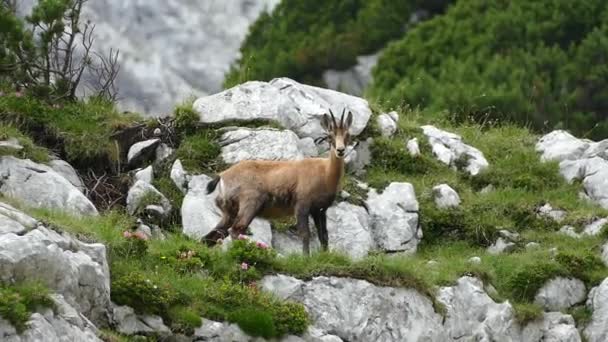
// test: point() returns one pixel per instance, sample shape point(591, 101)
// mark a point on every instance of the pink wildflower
point(242, 237)
point(140, 235)
point(261, 244)
point(244, 266)
point(126, 234)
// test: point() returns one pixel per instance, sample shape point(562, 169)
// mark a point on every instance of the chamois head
point(337, 133)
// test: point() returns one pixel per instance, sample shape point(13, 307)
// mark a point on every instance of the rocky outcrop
point(142, 151)
point(597, 329)
point(191, 56)
point(294, 106)
point(394, 218)
point(353, 80)
point(76, 270)
point(267, 144)
point(200, 214)
point(579, 159)
point(62, 324)
point(451, 150)
point(40, 186)
point(378, 313)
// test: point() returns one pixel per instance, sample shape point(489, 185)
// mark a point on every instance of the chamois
point(273, 189)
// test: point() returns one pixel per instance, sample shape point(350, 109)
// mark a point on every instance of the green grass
point(29, 151)
point(81, 130)
point(18, 301)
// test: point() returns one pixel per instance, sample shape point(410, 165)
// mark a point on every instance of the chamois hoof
point(212, 238)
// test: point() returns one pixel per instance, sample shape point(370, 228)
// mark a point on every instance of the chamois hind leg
point(303, 229)
point(320, 219)
point(249, 208)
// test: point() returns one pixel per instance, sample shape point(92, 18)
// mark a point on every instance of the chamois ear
point(326, 122)
point(349, 120)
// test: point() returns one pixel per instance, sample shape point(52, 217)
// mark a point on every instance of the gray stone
point(141, 151)
point(220, 332)
point(475, 260)
point(445, 197)
point(560, 145)
point(128, 323)
point(560, 293)
point(501, 246)
point(40, 186)
point(353, 80)
point(512, 236)
point(412, 147)
point(473, 316)
point(295, 106)
point(449, 148)
point(597, 329)
point(569, 231)
point(74, 269)
point(145, 175)
point(387, 125)
point(179, 176)
point(394, 218)
point(142, 191)
point(358, 157)
point(200, 214)
point(349, 230)
point(547, 210)
point(163, 151)
point(595, 227)
point(377, 314)
point(554, 327)
point(532, 245)
point(308, 147)
point(67, 171)
point(11, 143)
point(267, 144)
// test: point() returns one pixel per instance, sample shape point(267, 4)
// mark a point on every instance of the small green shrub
point(130, 247)
point(183, 319)
point(199, 152)
point(255, 322)
point(581, 266)
point(582, 315)
point(186, 118)
point(526, 312)
point(290, 318)
point(17, 302)
point(143, 294)
point(525, 282)
point(255, 254)
point(392, 155)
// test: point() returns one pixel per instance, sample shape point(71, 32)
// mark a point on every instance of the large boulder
point(294, 106)
point(450, 149)
point(268, 144)
point(355, 310)
point(67, 171)
point(79, 271)
point(561, 293)
point(579, 159)
point(200, 214)
point(394, 218)
point(597, 329)
point(62, 324)
point(128, 322)
point(40, 186)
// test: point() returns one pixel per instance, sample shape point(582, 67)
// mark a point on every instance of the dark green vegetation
point(17, 302)
point(302, 38)
point(538, 63)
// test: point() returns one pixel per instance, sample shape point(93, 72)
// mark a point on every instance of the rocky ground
point(441, 233)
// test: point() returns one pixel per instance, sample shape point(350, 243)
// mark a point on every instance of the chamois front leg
point(320, 218)
point(303, 229)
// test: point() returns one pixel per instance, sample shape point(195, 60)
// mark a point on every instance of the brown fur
point(274, 189)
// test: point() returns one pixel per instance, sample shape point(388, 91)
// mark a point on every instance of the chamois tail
point(213, 184)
